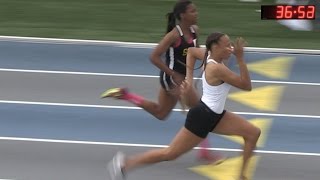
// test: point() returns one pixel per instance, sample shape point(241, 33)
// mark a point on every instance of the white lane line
point(143, 45)
point(279, 115)
point(77, 73)
point(286, 82)
point(138, 108)
point(147, 145)
point(140, 76)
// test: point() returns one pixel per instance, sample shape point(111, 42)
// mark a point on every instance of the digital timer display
point(288, 12)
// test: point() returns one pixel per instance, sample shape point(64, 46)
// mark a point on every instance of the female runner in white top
point(209, 115)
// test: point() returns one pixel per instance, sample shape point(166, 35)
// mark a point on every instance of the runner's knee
point(161, 114)
point(253, 135)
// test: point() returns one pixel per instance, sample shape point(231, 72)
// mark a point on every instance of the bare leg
point(166, 100)
point(232, 124)
point(212, 157)
point(182, 143)
point(160, 110)
point(190, 98)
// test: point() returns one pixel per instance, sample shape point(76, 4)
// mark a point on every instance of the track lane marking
point(147, 145)
point(140, 76)
point(138, 108)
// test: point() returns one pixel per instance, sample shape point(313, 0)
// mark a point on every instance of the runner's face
point(191, 14)
point(224, 47)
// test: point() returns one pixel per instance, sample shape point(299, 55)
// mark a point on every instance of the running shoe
point(115, 167)
point(114, 92)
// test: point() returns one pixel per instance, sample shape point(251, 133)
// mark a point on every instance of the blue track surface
point(121, 60)
point(287, 134)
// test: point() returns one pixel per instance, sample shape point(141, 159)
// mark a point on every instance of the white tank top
point(214, 96)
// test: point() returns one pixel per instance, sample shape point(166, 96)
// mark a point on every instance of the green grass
point(143, 21)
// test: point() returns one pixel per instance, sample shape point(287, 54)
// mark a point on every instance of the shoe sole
point(111, 93)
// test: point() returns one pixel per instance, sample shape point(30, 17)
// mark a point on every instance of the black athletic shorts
point(166, 81)
point(201, 120)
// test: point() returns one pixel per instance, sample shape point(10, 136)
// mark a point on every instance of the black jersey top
point(176, 55)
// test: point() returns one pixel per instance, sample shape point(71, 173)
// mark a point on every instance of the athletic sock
point(204, 152)
point(133, 98)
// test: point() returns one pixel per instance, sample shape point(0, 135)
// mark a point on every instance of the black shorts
point(201, 120)
point(166, 81)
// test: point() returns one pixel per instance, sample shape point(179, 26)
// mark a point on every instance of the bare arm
point(192, 55)
point(243, 81)
point(162, 47)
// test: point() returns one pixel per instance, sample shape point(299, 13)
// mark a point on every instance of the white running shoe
point(115, 167)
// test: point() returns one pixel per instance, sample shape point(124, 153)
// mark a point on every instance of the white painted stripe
point(278, 115)
point(138, 108)
point(281, 82)
point(147, 145)
point(143, 45)
point(141, 76)
point(179, 29)
point(171, 55)
point(75, 41)
point(192, 29)
point(287, 82)
point(77, 73)
point(166, 86)
point(282, 50)
point(67, 104)
point(171, 79)
point(195, 42)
